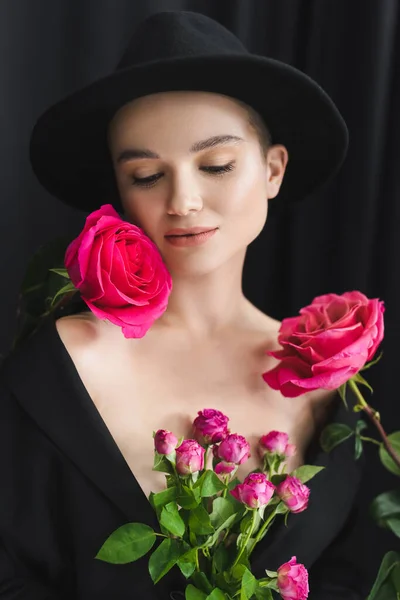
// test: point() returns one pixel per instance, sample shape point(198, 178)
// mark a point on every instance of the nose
point(184, 197)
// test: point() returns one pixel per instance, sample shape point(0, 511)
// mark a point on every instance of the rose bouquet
point(209, 521)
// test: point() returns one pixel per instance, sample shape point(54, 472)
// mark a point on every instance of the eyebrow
point(216, 140)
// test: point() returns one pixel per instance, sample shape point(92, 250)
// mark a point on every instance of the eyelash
point(152, 180)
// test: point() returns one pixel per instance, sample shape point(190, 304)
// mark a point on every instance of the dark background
point(346, 237)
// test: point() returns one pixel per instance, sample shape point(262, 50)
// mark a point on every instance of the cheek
point(245, 200)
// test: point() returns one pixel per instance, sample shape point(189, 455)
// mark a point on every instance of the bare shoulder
point(79, 330)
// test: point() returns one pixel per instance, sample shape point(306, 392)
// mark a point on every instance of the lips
point(180, 232)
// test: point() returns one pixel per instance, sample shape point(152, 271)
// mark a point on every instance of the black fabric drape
point(344, 238)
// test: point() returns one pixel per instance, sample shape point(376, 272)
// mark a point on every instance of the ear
point(276, 161)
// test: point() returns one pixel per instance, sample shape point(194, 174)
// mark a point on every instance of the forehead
point(186, 116)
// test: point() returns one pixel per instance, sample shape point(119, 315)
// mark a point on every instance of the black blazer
point(65, 486)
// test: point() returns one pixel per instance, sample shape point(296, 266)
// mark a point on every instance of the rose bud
point(293, 493)
point(189, 457)
point(290, 450)
point(274, 442)
point(292, 580)
point(210, 426)
point(224, 468)
point(255, 491)
point(165, 442)
point(234, 449)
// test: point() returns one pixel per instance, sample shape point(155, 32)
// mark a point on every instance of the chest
point(156, 389)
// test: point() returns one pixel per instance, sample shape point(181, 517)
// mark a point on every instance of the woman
point(176, 138)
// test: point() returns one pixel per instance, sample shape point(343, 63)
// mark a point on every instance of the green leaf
point(306, 472)
point(199, 521)
point(164, 558)
point(393, 523)
point(192, 593)
point(271, 574)
point(386, 505)
point(66, 289)
point(61, 272)
point(277, 479)
point(263, 593)
point(127, 543)
point(200, 580)
point(171, 519)
point(222, 509)
point(361, 425)
point(386, 459)
point(358, 447)
point(216, 594)
point(383, 587)
point(221, 558)
point(162, 464)
point(225, 525)
point(211, 484)
point(334, 434)
point(187, 562)
point(162, 498)
point(249, 584)
point(189, 498)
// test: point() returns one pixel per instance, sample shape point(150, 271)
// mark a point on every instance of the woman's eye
point(152, 179)
point(217, 170)
point(146, 181)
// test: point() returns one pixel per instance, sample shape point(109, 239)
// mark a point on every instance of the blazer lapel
point(53, 394)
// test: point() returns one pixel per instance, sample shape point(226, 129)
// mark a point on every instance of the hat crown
point(179, 34)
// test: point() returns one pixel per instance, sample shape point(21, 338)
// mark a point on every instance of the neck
point(208, 303)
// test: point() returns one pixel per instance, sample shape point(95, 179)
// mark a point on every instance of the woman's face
point(192, 159)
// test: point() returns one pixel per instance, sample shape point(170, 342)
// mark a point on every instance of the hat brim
point(68, 146)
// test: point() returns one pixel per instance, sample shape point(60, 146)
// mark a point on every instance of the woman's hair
point(259, 126)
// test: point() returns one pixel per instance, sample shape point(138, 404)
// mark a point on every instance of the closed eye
point(152, 179)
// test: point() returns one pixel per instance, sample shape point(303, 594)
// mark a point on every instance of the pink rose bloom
point(293, 581)
point(255, 491)
point(293, 493)
point(274, 442)
point(327, 344)
point(290, 450)
point(224, 468)
point(165, 442)
point(234, 449)
point(119, 272)
point(210, 426)
point(189, 457)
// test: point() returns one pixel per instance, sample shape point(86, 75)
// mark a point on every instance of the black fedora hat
point(181, 50)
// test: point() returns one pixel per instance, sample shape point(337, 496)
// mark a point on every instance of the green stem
point(375, 420)
point(261, 531)
point(244, 546)
point(368, 439)
point(197, 560)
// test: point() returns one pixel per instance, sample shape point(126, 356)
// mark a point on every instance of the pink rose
point(290, 450)
point(210, 426)
point(293, 580)
point(189, 457)
point(119, 272)
point(165, 442)
point(274, 442)
point(224, 468)
point(255, 491)
point(234, 449)
point(293, 493)
point(327, 344)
